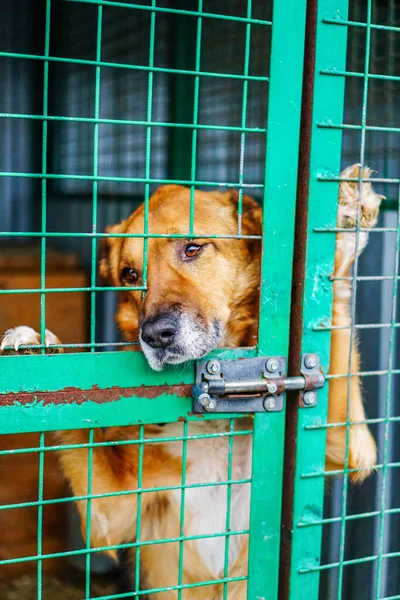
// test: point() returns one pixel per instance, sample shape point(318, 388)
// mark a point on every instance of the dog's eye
point(192, 250)
point(129, 276)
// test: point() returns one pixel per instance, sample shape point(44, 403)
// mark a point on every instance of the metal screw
point(204, 399)
point(213, 367)
point(272, 365)
point(272, 388)
point(310, 361)
point(270, 403)
point(212, 405)
point(309, 398)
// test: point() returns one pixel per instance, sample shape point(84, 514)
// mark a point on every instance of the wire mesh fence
point(358, 525)
point(104, 101)
point(125, 97)
point(362, 578)
point(110, 133)
point(145, 443)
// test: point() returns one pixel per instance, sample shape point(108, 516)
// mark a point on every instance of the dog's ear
point(110, 249)
point(251, 216)
point(251, 213)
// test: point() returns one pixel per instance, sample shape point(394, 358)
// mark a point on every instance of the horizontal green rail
point(176, 11)
point(346, 22)
point(133, 442)
point(183, 586)
point(83, 390)
point(72, 176)
point(380, 128)
point(153, 124)
point(69, 553)
point(165, 488)
point(129, 67)
point(360, 75)
point(168, 236)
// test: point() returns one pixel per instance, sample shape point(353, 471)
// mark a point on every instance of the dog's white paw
point(51, 339)
point(19, 336)
point(14, 338)
point(350, 199)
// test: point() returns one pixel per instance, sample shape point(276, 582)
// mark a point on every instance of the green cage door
point(322, 561)
point(49, 392)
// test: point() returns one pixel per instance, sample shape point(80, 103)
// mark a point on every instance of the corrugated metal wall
point(21, 29)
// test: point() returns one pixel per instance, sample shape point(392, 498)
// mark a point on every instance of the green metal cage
point(106, 100)
point(160, 91)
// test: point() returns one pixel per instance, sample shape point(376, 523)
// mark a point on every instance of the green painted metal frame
point(326, 145)
point(182, 90)
point(278, 231)
point(119, 388)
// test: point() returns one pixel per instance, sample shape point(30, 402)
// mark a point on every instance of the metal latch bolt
point(254, 384)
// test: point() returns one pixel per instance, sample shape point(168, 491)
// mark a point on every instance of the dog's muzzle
point(173, 339)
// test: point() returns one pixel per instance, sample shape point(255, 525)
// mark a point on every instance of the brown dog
point(202, 294)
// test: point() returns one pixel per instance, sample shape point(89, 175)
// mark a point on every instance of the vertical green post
point(283, 129)
point(43, 241)
point(40, 518)
point(150, 86)
point(95, 188)
point(326, 145)
point(139, 508)
point(184, 35)
point(89, 514)
point(182, 508)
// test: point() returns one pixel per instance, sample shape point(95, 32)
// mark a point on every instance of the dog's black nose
point(159, 332)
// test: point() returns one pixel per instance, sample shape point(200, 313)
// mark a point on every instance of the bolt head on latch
point(213, 367)
point(272, 365)
point(270, 403)
point(204, 399)
point(310, 361)
point(272, 388)
point(209, 403)
point(212, 405)
point(309, 398)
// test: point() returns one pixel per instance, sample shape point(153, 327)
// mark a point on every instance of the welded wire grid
point(113, 123)
point(141, 441)
point(110, 79)
point(360, 524)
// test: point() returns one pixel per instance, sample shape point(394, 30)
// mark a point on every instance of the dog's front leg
point(112, 517)
point(362, 448)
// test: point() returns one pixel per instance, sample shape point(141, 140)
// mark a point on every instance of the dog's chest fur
point(206, 505)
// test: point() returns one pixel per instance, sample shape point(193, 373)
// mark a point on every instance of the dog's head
point(201, 293)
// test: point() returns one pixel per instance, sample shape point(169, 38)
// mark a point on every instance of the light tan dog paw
point(25, 336)
point(350, 199)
